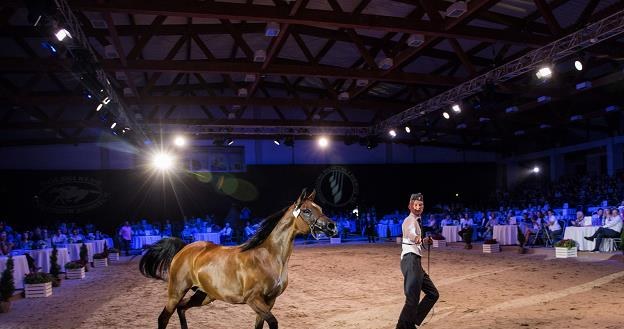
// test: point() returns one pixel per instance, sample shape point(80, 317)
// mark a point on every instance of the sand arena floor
point(360, 286)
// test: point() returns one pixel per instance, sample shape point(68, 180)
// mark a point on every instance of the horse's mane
point(266, 227)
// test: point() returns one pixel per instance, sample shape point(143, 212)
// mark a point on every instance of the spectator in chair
point(226, 232)
point(611, 229)
point(580, 219)
point(5, 245)
point(466, 230)
point(249, 231)
point(553, 226)
point(59, 237)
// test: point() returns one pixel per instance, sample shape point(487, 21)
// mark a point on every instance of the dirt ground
point(360, 286)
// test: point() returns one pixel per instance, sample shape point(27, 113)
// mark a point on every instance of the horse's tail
point(156, 261)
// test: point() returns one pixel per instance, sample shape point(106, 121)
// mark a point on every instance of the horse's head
point(309, 217)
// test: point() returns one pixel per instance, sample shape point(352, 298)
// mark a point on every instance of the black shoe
point(589, 238)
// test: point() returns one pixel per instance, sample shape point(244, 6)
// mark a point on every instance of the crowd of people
point(43, 237)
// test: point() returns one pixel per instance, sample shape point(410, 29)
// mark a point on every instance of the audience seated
point(611, 229)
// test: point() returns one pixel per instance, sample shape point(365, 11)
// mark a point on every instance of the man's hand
point(428, 241)
point(417, 240)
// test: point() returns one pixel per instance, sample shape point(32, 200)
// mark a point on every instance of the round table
point(212, 237)
point(74, 250)
point(138, 241)
point(578, 233)
point(505, 235)
point(20, 269)
point(450, 233)
point(42, 258)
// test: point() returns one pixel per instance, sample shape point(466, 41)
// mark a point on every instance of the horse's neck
point(280, 241)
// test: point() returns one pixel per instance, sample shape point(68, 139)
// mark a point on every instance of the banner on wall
point(71, 195)
point(337, 187)
point(215, 159)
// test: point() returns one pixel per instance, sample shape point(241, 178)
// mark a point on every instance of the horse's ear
point(301, 198)
point(311, 196)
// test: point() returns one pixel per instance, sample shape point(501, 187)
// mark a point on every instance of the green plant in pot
point(74, 265)
point(55, 269)
point(84, 256)
point(7, 286)
point(38, 277)
point(566, 243)
point(102, 255)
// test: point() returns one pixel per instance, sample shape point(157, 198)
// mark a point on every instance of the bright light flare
point(323, 142)
point(544, 73)
point(179, 141)
point(62, 34)
point(536, 170)
point(392, 133)
point(162, 161)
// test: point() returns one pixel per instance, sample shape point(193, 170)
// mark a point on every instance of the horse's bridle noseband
point(311, 221)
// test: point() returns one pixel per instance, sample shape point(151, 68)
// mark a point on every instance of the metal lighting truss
point(267, 130)
point(78, 36)
point(568, 45)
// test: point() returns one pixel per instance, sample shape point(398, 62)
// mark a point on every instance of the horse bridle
point(307, 217)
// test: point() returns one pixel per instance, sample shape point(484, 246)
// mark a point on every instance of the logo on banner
point(337, 187)
point(71, 195)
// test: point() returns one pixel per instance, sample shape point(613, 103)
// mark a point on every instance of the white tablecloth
point(42, 258)
point(20, 269)
point(450, 233)
point(141, 240)
point(505, 234)
point(577, 234)
point(212, 237)
point(382, 230)
point(110, 243)
point(74, 250)
point(98, 245)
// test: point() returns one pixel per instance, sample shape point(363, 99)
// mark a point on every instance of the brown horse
point(254, 273)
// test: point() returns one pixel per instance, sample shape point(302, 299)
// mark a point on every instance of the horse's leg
point(194, 301)
point(263, 309)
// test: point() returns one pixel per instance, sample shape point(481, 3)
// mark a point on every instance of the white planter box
point(38, 290)
point(113, 257)
point(491, 248)
point(78, 273)
point(335, 240)
point(439, 243)
point(100, 262)
point(565, 252)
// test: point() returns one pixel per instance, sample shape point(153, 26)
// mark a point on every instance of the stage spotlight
point(323, 142)
point(456, 108)
point(578, 65)
point(179, 141)
point(536, 170)
point(113, 125)
point(162, 161)
point(99, 107)
point(544, 73)
point(392, 133)
point(446, 115)
point(106, 100)
point(408, 130)
point(276, 142)
point(229, 141)
point(62, 34)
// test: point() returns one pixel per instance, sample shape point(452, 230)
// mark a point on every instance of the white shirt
point(614, 223)
point(553, 224)
point(226, 231)
point(411, 230)
point(466, 222)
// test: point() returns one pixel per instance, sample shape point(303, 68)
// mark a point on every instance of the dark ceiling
point(182, 64)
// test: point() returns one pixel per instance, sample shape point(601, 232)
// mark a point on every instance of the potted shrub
point(113, 254)
point(565, 248)
point(84, 257)
point(7, 286)
point(37, 285)
point(74, 270)
point(55, 269)
point(439, 241)
point(100, 260)
point(491, 246)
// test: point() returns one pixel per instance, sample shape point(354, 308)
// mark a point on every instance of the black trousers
point(125, 245)
point(416, 280)
point(604, 233)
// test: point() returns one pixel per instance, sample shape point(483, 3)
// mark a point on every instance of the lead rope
point(428, 247)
